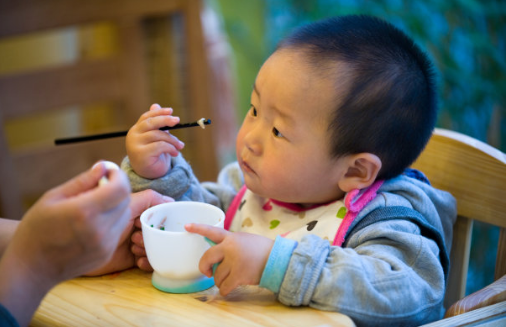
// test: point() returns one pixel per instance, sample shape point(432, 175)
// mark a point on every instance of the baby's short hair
point(389, 107)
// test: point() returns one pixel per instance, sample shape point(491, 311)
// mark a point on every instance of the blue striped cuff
point(277, 264)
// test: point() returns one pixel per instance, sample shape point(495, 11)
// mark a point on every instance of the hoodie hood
point(438, 207)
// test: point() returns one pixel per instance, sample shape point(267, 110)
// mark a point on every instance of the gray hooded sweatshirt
point(391, 269)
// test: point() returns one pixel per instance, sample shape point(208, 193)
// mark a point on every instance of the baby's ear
point(363, 168)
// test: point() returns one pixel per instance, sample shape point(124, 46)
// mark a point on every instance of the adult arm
point(7, 229)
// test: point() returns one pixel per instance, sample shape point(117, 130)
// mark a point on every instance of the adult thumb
point(83, 182)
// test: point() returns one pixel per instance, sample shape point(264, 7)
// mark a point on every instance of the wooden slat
point(491, 316)
point(459, 261)
point(477, 177)
point(133, 66)
point(475, 173)
point(18, 17)
point(500, 264)
point(82, 83)
point(199, 97)
point(491, 294)
point(121, 80)
point(10, 195)
point(56, 165)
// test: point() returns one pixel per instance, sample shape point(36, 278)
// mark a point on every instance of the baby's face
point(283, 144)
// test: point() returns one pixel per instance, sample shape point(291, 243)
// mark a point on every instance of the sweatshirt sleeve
point(389, 274)
point(6, 318)
point(181, 184)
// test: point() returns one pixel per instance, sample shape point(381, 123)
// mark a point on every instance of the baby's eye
point(276, 132)
point(253, 111)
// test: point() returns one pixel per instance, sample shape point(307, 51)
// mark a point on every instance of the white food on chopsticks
point(201, 123)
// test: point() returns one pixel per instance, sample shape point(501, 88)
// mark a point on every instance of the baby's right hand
point(150, 149)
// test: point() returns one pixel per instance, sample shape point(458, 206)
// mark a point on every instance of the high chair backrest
point(121, 80)
point(475, 174)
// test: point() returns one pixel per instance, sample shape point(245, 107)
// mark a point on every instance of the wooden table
point(129, 299)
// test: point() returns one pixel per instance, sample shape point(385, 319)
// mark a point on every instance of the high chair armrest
point(491, 316)
point(493, 293)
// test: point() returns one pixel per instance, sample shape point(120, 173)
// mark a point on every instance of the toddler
point(320, 206)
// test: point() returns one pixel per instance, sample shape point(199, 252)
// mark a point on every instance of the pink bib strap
point(236, 202)
point(354, 202)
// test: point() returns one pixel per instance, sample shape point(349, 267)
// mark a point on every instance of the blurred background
point(465, 38)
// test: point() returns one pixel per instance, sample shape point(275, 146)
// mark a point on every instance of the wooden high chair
point(121, 80)
point(475, 174)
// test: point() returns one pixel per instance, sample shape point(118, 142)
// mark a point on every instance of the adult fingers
point(138, 251)
point(106, 197)
point(121, 216)
point(81, 183)
point(143, 264)
point(143, 200)
point(112, 193)
point(137, 238)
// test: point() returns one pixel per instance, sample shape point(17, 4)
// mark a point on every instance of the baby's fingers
point(154, 150)
point(155, 122)
point(155, 110)
point(157, 136)
point(156, 106)
point(228, 285)
point(211, 257)
point(215, 234)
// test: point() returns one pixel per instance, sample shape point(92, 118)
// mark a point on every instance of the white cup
point(174, 253)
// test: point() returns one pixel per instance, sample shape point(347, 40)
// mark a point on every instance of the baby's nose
point(253, 142)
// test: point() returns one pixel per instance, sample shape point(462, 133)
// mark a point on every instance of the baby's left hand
point(241, 256)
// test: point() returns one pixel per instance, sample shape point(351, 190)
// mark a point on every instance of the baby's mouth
point(246, 168)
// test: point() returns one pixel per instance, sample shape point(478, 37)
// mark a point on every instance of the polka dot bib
point(257, 215)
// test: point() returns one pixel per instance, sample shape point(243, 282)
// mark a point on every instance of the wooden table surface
point(129, 299)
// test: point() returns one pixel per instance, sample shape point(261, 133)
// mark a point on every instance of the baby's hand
point(150, 149)
point(241, 256)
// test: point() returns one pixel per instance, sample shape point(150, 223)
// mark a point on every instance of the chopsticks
point(201, 122)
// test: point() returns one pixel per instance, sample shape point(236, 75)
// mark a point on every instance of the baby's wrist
point(148, 172)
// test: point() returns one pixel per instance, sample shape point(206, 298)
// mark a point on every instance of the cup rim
point(178, 203)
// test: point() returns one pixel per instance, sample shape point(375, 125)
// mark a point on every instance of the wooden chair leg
point(11, 205)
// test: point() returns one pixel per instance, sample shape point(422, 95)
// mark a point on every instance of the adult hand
point(241, 256)
point(148, 148)
point(123, 258)
point(138, 248)
point(72, 229)
point(76, 226)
